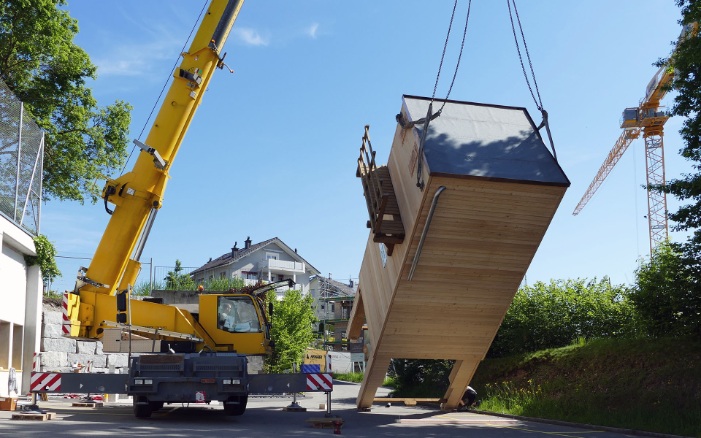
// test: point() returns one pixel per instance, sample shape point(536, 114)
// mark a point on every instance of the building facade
point(333, 302)
point(268, 261)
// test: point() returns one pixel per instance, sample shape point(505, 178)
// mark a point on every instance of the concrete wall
point(61, 354)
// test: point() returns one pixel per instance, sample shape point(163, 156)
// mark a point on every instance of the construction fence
point(21, 163)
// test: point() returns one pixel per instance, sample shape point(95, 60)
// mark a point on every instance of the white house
point(268, 261)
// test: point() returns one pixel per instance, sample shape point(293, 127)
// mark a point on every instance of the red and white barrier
point(50, 382)
point(319, 382)
point(36, 362)
point(66, 326)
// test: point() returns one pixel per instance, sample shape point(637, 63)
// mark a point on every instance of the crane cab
point(235, 322)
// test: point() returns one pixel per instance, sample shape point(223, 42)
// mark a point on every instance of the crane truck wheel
point(236, 405)
point(142, 407)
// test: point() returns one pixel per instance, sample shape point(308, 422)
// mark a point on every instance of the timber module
point(180, 356)
point(456, 217)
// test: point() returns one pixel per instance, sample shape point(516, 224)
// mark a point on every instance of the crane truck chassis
point(184, 378)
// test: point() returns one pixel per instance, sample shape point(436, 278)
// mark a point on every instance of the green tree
point(44, 68)
point(45, 258)
point(177, 280)
point(682, 262)
point(666, 293)
point(291, 330)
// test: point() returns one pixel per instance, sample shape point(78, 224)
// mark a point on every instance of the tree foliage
point(177, 280)
point(686, 61)
point(557, 314)
point(291, 330)
point(420, 377)
point(667, 293)
point(668, 288)
point(45, 258)
point(44, 68)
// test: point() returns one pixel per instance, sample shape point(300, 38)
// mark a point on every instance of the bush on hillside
point(561, 312)
point(667, 291)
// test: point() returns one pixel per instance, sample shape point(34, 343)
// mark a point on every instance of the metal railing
point(273, 265)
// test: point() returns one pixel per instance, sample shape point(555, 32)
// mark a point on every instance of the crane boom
point(138, 194)
point(627, 136)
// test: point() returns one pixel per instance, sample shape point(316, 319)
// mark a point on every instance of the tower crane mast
point(647, 119)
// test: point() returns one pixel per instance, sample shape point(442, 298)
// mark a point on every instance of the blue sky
point(272, 149)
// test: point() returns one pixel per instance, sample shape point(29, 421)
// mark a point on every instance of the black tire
point(156, 405)
point(232, 408)
point(142, 407)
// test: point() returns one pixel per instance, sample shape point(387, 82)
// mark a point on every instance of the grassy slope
point(652, 385)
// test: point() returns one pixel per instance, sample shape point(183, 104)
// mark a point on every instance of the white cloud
point(133, 58)
point(312, 30)
point(251, 37)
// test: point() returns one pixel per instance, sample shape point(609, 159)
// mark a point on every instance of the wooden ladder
point(385, 220)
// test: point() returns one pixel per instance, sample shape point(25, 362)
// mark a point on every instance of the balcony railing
point(281, 266)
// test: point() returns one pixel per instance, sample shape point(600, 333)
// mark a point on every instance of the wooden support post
point(374, 376)
point(460, 377)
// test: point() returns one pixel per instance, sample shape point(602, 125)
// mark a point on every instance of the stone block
point(52, 331)
point(84, 359)
point(86, 347)
point(53, 318)
point(53, 360)
point(65, 345)
point(117, 360)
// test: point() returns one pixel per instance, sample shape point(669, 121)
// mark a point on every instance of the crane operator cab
point(237, 315)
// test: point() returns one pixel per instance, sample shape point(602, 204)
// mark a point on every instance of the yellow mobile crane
point(202, 356)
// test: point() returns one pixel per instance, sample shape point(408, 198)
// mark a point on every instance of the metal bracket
point(157, 159)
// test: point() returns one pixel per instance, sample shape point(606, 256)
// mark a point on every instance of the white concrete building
point(20, 312)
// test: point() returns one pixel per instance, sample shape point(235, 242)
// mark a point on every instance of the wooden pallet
point(322, 423)
point(34, 416)
point(87, 404)
point(407, 401)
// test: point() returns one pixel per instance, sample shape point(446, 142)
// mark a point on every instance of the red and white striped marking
point(66, 322)
point(36, 363)
point(319, 382)
point(41, 382)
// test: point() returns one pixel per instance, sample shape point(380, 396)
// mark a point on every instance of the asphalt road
point(266, 416)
